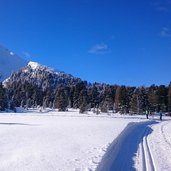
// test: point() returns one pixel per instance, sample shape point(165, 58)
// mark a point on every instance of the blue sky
point(113, 41)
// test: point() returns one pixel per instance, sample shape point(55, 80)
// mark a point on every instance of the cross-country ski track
point(132, 151)
point(73, 142)
point(147, 158)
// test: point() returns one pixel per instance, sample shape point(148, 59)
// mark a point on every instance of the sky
point(125, 42)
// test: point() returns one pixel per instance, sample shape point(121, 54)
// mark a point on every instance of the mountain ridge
point(42, 76)
point(16, 69)
point(9, 62)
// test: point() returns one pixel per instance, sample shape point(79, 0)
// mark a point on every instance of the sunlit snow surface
point(34, 65)
point(65, 141)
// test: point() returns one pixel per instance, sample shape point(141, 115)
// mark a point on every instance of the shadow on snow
point(22, 124)
point(120, 154)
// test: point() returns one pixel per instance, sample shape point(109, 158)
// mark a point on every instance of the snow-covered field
point(70, 141)
point(160, 145)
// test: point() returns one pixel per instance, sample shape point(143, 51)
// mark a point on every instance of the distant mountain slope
point(42, 76)
point(9, 63)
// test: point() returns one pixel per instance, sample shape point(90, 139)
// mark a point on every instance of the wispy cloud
point(99, 49)
point(162, 9)
point(27, 55)
point(165, 32)
point(162, 5)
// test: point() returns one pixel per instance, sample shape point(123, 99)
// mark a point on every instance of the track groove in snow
point(69, 141)
point(148, 161)
point(51, 142)
point(120, 155)
point(159, 143)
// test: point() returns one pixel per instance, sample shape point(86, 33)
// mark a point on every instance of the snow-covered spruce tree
point(121, 99)
point(76, 95)
point(162, 99)
point(139, 101)
point(130, 92)
point(93, 95)
point(169, 98)
point(84, 106)
point(61, 100)
point(143, 100)
point(134, 104)
point(104, 107)
point(152, 98)
point(19, 92)
point(3, 99)
point(83, 101)
point(108, 98)
point(71, 97)
point(117, 99)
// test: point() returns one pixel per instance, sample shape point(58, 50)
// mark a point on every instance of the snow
point(34, 65)
point(160, 144)
point(37, 66)
point(67, 141)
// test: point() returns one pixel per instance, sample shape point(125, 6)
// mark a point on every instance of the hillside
point(42, 76)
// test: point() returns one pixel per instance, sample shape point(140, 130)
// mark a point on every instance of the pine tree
point(169, 98)
point(45, 103)
point(3, 99)
point(152, 98)
point(139, 101)
point(61, 100)
point(121, 99)
point(84, 106)
point(143, 100)
point(109, 96)
point(134, 104)
point(93, 93)
point(162, 99)
point(76, 96)
point(71, 97)
point(104, 107)
point(83, 101)
point(130, 91)
point(117, 99)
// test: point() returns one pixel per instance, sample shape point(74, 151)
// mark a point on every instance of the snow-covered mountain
point(14, 69)
point(42, 76)
point(9, 63)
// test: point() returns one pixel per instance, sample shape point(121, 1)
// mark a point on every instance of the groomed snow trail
point(56, 142)
point(147, 157)
point(73, 142)
point(160, 145)
point(121, 154)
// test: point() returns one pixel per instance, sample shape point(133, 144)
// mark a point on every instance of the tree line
point(85, 96)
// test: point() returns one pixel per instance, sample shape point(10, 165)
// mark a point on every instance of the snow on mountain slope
point(35, 66)
point(42, 76)
point(9, 63)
